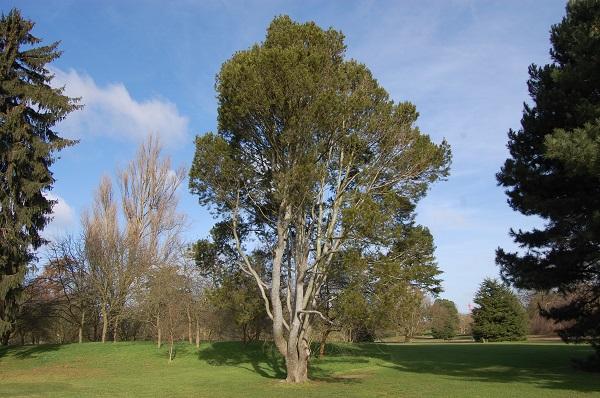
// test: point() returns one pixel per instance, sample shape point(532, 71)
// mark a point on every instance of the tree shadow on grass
point(258, 357)
point(25, 352)
point(546, 366)
point(263, 359)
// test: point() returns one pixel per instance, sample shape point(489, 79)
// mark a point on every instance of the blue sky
point(149, 66)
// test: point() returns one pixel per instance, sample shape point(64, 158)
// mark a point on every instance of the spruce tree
point(499, 316)
point(29, 109)
point(553, 173)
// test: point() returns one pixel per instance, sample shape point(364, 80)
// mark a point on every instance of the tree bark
point(96, 327)
point(81, 327)
point(104, 324)
point(5, 338)
point(297, 364)
point(197, 334)
point(158, 332)
point(116, 329)
point(170, 347)
point(189, 316)
point(322, 344)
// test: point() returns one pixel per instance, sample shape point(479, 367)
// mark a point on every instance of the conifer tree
point(553, 173)
point(29, 109)
point(499, 316)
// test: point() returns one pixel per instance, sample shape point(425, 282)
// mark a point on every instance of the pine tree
point(499, 316)
point(29, 109)
point(553, 173)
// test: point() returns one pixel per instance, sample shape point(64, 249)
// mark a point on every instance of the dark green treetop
point(499, 315)
point(553, 173)
point(29, 109)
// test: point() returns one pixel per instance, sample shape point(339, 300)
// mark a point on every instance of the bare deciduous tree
point(68, 268)
point(149, 237)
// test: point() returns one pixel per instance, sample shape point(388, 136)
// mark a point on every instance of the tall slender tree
point(29, 110)
point(311, 155)
point(553, 173)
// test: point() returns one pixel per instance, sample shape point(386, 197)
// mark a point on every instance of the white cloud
point(63, 217)
point(110, 110)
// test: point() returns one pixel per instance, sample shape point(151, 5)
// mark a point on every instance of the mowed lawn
point(231, 369)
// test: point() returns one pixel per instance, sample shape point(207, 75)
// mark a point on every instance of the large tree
point(29, 110)
point(499, 315)
point(310, 155)
point(553, 173)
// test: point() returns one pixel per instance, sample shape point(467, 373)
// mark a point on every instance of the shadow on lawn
point(264, 359)
point(547, 366)
point(31, 351)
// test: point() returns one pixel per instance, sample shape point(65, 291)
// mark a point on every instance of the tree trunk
point(296, 361)
point(297, 369)
point(116, 329)
point(322, 344)
point(96, 327)
point(170, 347)
point(189, 317)
point(197, 334)
point(104, 324)
point(5, 338)
point(81, 327)
point(158, 332)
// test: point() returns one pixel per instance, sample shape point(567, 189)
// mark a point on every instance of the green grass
point(351, 370)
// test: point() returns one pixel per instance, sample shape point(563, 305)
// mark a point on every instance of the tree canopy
point(553, 173)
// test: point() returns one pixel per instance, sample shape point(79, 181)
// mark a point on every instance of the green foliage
point(236, 296)
point(233, 293)
point(499, 315)
point(444, 319)
point(553, 173)
point(295, 118)
point(29, 109)
point(368, 292)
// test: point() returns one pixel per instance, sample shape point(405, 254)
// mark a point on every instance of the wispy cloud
point(110, 110)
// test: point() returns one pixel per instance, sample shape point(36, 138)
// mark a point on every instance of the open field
point(231, 369)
